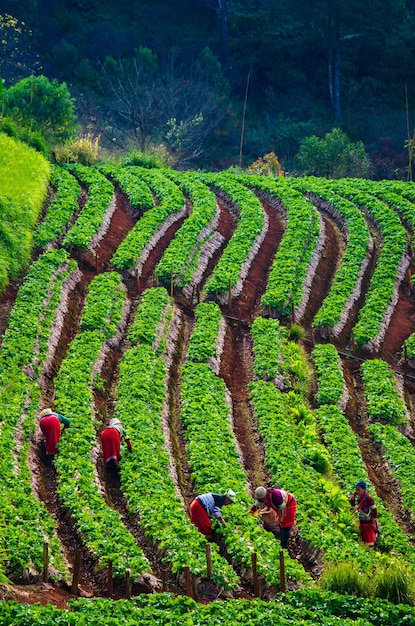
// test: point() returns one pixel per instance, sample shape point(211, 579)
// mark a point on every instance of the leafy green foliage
point(181, 258)
point(24, 176)
point(42, 105)
point(381, 393)
point(330, 381)
point(140, 238)
point(333, 156)
point(60, 210)
point(101, 527)
point(332, 313)
point(251, 220)
point(91, 217)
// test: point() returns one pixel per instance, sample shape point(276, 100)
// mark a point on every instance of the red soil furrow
point(402, 323)
point(325, 271)
point(247, 306)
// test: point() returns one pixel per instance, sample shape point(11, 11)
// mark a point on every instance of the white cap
point(260, 493)
point(115, 423)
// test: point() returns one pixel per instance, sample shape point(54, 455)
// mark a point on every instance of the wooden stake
point(110, 580)
point(198, 292)
point(164, 580)
point(193, 294)
point(128, 583)
point(282, 572)
point(189, 586)
point(292, 313)
point(45, 561)
point(257, 589)
point(208, 561)
point(76, 573)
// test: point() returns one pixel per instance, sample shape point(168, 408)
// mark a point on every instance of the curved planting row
point(215, 460)
point(79, 489)
point(380, 388)
point(61, 210)
point(128, 180)
point(382, 295)
point(331, 385)
point(140, 241)
point(233, 266)
point(94, 218)
point(148, 479)
point(346, 286)
point(25, 523)
point(343, 446)
point(24, 177)
point(297, 256)
point(188, 254)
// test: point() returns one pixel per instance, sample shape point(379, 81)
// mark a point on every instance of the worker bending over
point(208, 506)
point(50, 424)
point(111, 443)
point(283, 504)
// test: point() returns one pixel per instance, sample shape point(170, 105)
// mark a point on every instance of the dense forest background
point(222, 82)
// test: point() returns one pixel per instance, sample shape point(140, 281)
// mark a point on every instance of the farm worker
point(367, 513)
point(111, 442)
point(50, 424)
point(284, 506)
point(207, 506)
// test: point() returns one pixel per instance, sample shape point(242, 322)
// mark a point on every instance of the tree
point(43, 106)
point(333, 156)
point(16, 56)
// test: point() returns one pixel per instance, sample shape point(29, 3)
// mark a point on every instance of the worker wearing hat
point(367, 512)
point(208, 506)
point(283, 503)
point(111, 442)
point(50, 424)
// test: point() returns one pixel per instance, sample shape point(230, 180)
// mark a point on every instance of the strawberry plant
point(383, 399)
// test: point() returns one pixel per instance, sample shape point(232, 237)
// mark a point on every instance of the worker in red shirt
point(111, 443)
point(283, 504)
point(50, 424)
point(367, 512)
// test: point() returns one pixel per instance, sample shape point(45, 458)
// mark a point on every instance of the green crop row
point(106, 298)
point(202, 347)
point(24, 177)
point(382, 397)
point(130, 183)
point(25, 522)
point(286, 281)
point(380, 295)
point(92, 216)
point(181, 259)
point(100, 526)
point(330, 380)
point(61, 210)
point(343, 446)
point(304, 607)
point(142, 238)
point(343, 291)
point(400, 454)
point(146, 475)
point(245, 242)
point(215, 461)
point(277, 359)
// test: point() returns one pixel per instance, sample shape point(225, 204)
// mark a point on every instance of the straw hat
point(45, 412)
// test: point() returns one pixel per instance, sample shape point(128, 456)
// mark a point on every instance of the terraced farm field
point(246, 330)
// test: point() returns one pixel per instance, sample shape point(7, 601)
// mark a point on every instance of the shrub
point(333, 156)
point(84, 150)
point(296, 333)
point(156, 157)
